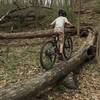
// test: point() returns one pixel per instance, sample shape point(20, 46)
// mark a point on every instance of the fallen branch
point(42, 81)
point(30, 35)
point(4, 16)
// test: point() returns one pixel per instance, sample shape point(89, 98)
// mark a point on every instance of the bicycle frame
point(55, 41)
point(53, 51)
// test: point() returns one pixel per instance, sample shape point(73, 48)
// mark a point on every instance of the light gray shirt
point(60, 22)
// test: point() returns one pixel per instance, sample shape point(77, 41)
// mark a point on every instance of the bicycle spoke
point(47, 57)
point(68, 47)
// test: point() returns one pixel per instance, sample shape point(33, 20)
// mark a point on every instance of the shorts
point(60, 31)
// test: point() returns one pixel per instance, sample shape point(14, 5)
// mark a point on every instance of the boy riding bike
point(59, 24)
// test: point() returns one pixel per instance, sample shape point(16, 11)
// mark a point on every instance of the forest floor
point(19, 61)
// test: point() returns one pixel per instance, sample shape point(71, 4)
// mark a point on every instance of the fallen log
point(42, 81)
point(19, 19)
point(16, 10)
point(36, 34)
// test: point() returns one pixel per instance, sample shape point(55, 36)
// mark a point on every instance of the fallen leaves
point(3, 83)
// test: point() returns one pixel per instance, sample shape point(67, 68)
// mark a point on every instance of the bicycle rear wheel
point(68, 47)
point(48, 55)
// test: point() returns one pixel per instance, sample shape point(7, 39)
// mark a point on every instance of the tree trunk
point(36, 34)
point(98, 45)
point(42, 81)
point(78, 21)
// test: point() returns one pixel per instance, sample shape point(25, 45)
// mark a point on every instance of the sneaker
point(61, 57)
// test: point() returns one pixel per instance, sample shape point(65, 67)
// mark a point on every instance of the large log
point(30, 35)
point(42, 81)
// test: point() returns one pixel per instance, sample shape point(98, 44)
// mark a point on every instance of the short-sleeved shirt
point(59, 23)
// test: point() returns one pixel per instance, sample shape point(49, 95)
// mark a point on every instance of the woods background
point(38, 12)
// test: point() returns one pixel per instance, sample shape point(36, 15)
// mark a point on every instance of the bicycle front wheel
point(48, 55)
point(68, 47)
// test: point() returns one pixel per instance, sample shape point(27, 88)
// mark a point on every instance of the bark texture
point(36, 34)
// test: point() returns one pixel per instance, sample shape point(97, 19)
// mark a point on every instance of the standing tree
point(98, 46)
point(78, 23)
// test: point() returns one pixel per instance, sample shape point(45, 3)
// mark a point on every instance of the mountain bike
point(50, 51)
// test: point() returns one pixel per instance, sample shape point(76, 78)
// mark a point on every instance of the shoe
point(70, 83)
point(61, 57)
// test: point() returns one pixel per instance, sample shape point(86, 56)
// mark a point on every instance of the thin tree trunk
point(98, 45)
point(78, 22)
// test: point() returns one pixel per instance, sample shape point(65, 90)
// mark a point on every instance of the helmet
point(62, 12)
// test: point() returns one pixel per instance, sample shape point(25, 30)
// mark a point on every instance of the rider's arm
point(53, 23)
point(67, 23)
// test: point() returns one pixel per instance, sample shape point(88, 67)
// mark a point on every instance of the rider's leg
point(61, 42)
